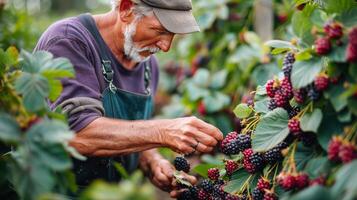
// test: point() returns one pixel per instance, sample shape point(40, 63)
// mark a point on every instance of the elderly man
point(110, 101)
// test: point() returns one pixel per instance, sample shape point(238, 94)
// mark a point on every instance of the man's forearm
point(111, 137)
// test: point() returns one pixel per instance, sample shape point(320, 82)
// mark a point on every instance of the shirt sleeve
point(81, 96)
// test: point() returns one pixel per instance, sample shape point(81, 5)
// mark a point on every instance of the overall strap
point(108, 73)
point(147, 77)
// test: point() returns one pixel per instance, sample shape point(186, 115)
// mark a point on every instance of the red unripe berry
point(334, 30)
point(270, 196)
point(347, 152)
point(213, 174)
point(294, 125)
point(323, 46)
point(270, 88)
point(231, 166)
point(302, 180)
point(333, 149)
point(263, 184)
point(321, 82)
point(202, 108)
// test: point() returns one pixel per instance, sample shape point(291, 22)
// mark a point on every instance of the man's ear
point(126, 10)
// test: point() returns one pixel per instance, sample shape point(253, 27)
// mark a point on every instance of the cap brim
point(177, 21)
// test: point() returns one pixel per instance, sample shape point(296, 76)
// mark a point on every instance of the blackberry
point(313, 93)
point(263, 184)
point(321, 83)
point(202, 195)
point(270, 196)
point(300, 95)
point(257, 160)
point(228, 139)
point(280, 99)
point(231, 148)
point(244, 142)
point(287, 88)
point(194, 192)
point(207, 186)
point(218, 190)
point(273, 155)
point(287, 181)
point(334, 148)
point(185, 195)
point(347, 152)
point(302, 181)
point(294, 125)
point(323, 46)
point(333, 30)
point(272, 104)
point(289, 59)
point(213, 174)
point(257, 194)
point(293, 111)
point(181, 164)
point(247, 161)
point(231, 166)
point(269, 87)
point(232, 197)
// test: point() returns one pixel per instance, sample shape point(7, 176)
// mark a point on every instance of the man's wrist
point(148, 159)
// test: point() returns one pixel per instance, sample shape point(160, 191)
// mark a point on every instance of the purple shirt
point(70, 39)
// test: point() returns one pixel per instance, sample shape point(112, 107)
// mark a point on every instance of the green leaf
point(333, 6)
point(313, 193)
point(338, 54)
point(55, 89)
point(304, 72)
point(317, 166)
point(195, 93)
point(330, 126)
point(334, 93)
point(10, 131)
point(262, 106)
point(219, 79)
point(352, 105)
point(279, 44)
point(310, 122)
point(348, 18)
point(304, 55)
point(53, 156)
point(59, 132)
point(201, 77)
point(345, 186)
point(301, 24)
point(277, 51)
point(233, 186)
point(202, 169)
point(271, 130)
point(216, 101)
point(242, 111)
point(122, 171)
point(34, 88)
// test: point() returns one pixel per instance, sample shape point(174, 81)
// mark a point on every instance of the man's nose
point(165, 43)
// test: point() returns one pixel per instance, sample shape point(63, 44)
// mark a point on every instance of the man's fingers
point(162, 178)
point(203, 148)
point(190, 178)
point(204, 138)
point(210, 130)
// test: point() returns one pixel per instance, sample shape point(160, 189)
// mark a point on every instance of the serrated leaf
point(345, 183)
point(55, 89)
point(304, 55)
point(10, 131)
point(310, 122)
point(202, 169)
point(313, 193)
point(233, 186)
point(304, 72)
point(334, 94)
point(53, 156)
point(34, 88)
point(271, 130)
point(242, 111)
point(262, 106)
point(216, 101)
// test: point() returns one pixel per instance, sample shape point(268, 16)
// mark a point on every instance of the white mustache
point(150, 49)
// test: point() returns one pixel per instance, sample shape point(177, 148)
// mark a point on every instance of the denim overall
point(118, 104)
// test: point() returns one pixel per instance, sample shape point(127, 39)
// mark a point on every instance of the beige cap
point(175, 15)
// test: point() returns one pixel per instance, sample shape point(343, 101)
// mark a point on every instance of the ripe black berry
point(207, 186)
point(231, 148)
point(181, 164)
point(243, 142)
point(257, 194)
point(218, 190)
point(272, 104)
point(273, 155)
point(288, 62)
point(185, 195)
point(293, 111)
point(257, 160)
point(313, 93)
point(280, 99)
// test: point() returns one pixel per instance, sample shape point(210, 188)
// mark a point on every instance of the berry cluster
point(352, 46)
point(290, 181)
point(234, 143)
point(340, 150)
point(253, 162)
point(332, 31)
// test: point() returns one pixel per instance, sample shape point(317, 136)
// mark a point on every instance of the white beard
point(130, 48)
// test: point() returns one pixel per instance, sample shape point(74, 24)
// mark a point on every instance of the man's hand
point(188, 134)
point(162, 176)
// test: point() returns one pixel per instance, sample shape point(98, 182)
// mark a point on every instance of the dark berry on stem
point(273, 155)
point(313, 93)
point(300, 95)
point(302, 181)
point(334, 30)
point(347, 152)
point(244, 142)
point(272, 104)
point(321, 83)
point(263, 184)
point(203, 195)
point(231, 166)
point(207, 186)
point(257, 194)
point(181, 164)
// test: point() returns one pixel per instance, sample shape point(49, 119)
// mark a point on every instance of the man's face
point(144, 37)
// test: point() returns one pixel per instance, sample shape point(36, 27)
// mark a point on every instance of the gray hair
point(140, 8)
